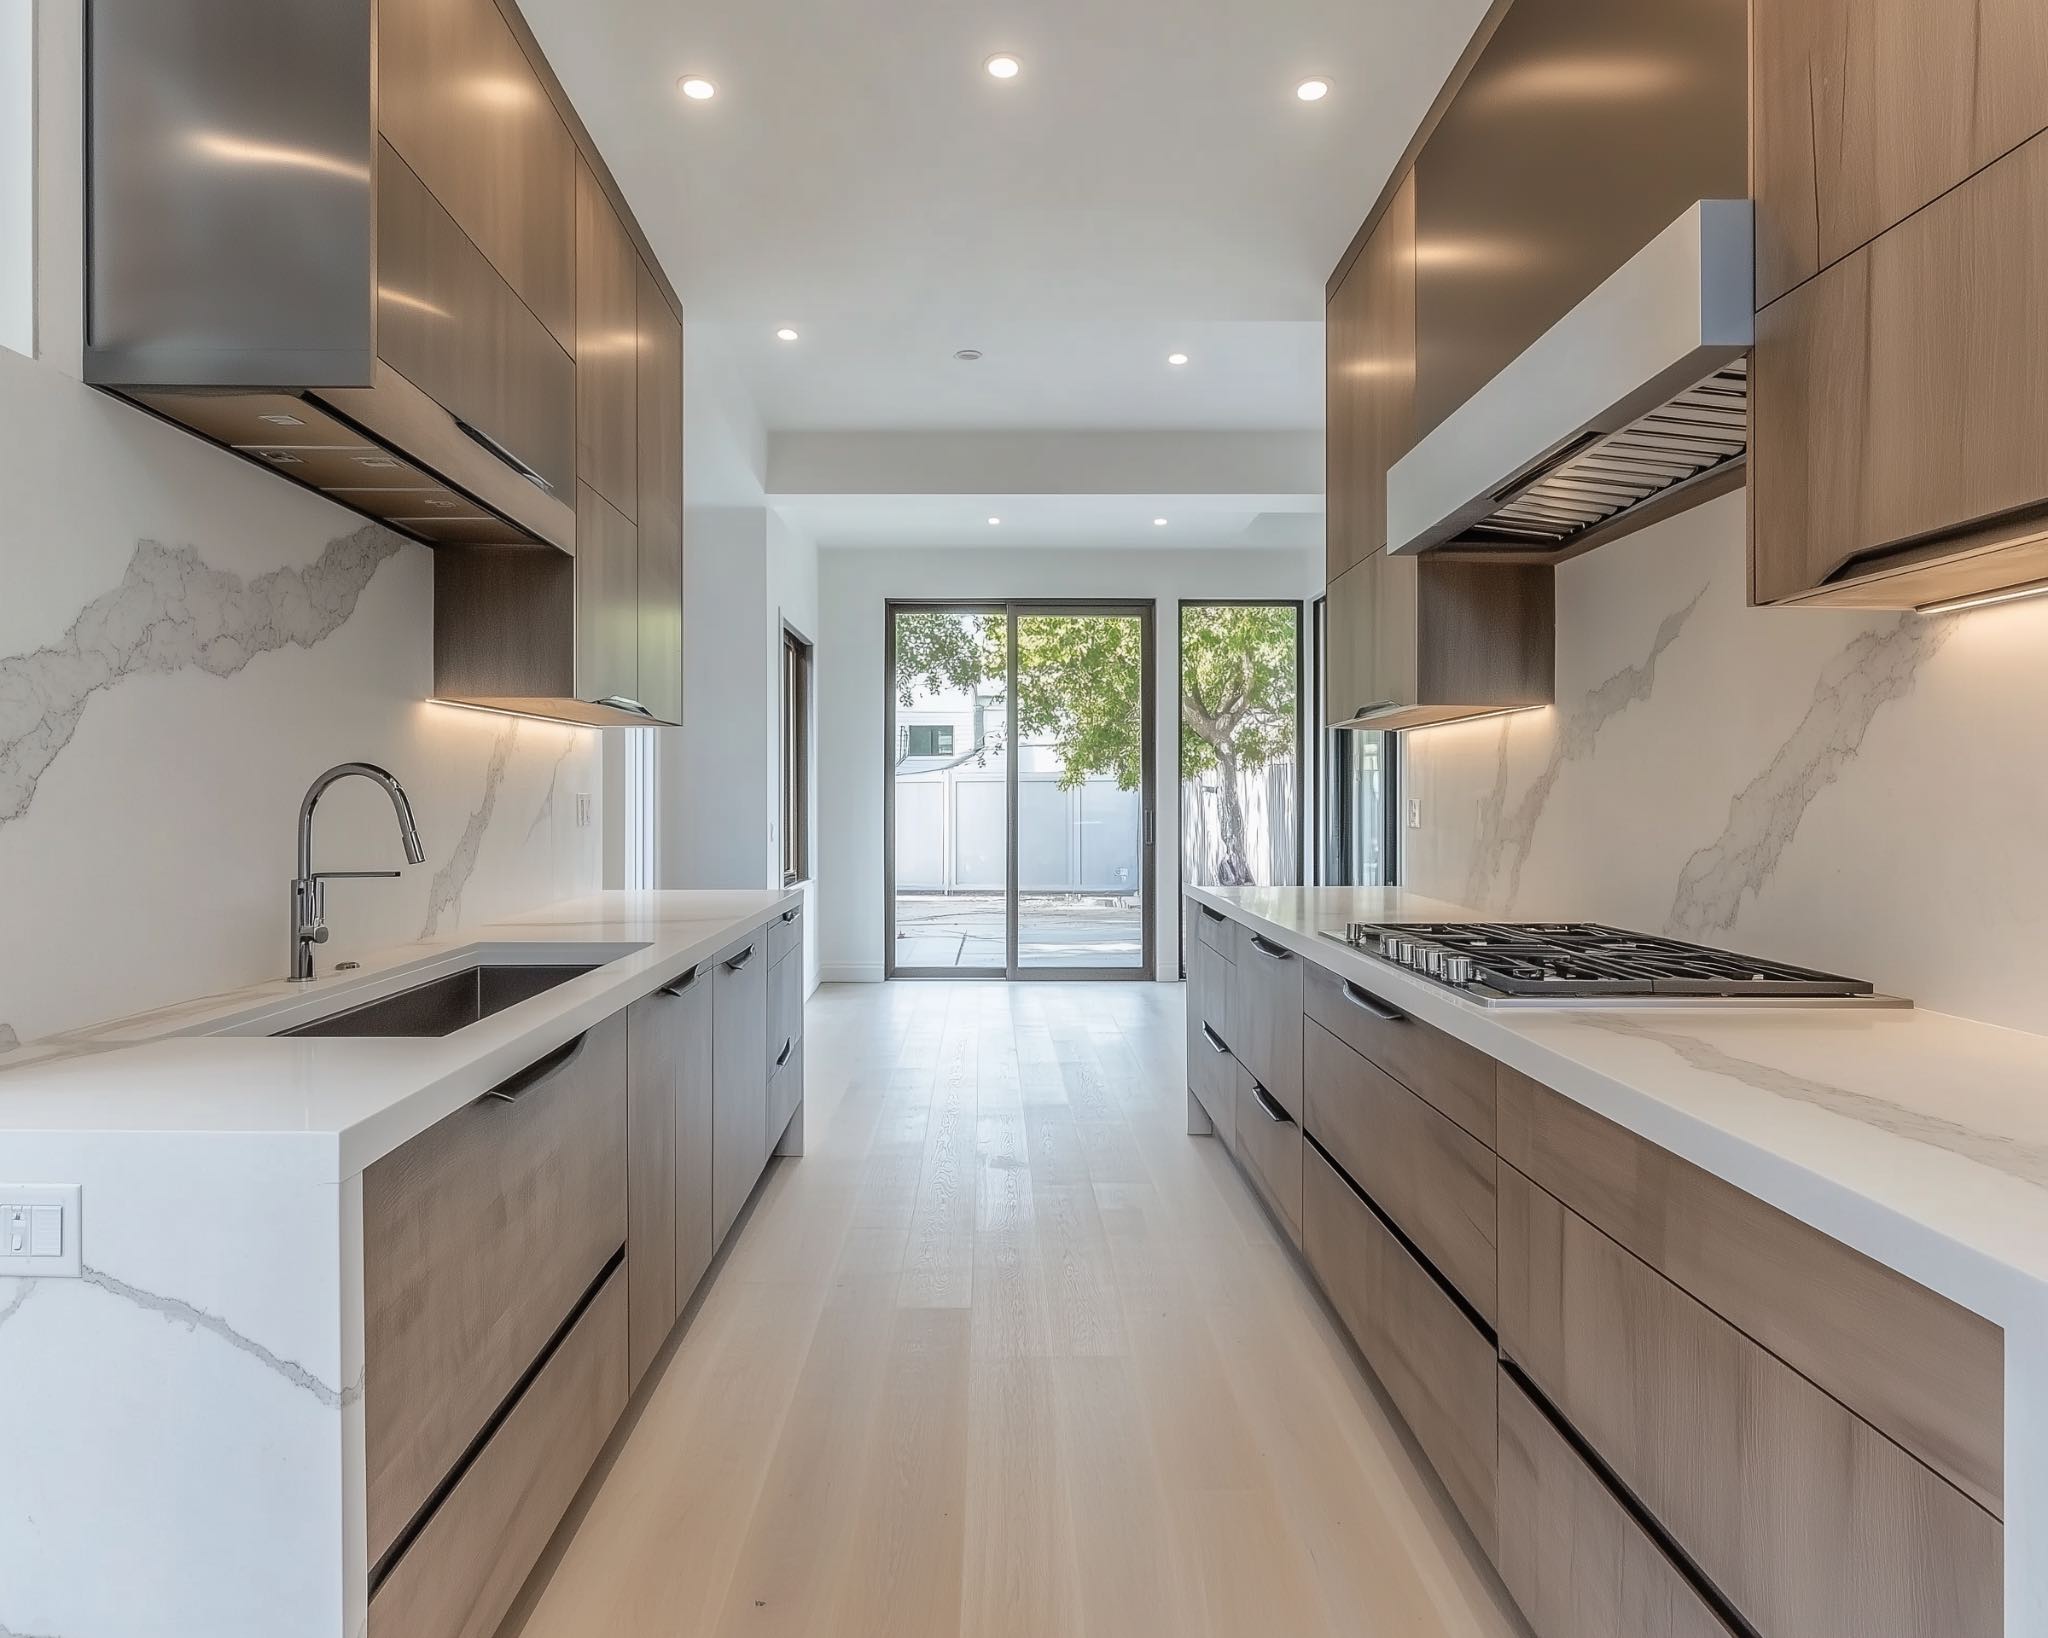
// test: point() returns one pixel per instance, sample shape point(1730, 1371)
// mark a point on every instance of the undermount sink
point(442, 1006)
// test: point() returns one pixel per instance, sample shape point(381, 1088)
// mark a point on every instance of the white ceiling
point(1148, 184)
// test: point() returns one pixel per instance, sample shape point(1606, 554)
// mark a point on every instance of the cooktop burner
point(1501, 963)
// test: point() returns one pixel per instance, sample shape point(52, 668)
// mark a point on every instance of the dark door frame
point(1302, 816)
point(1145, 612)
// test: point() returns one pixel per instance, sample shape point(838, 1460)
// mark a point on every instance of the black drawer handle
point(1366, 1001)
point(789, 916)
point(1266, 947)
point(788, 1047)
point(513, 1088)
point(1270, 1107)
point(1213, 915)
point(681, 983)
point(740, 960)
point(1215, 1040)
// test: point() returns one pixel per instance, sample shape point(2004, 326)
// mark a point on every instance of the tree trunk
point(1235, 869)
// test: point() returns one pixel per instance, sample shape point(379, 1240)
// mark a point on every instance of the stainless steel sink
point(444, 1005)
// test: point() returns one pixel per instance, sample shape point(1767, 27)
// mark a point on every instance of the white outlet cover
point(35, 1202)
point(1414, 813)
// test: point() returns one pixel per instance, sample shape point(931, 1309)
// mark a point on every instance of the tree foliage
point(1237, 686)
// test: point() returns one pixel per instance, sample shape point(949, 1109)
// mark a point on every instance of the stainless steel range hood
point(1632, 406)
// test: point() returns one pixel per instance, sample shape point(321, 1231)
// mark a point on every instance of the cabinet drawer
point(785, 1007)
point(479, 1238)
point(1925, 1372)
point(1435, 1365)
point(1807, 1520)
point(460, 1575)
point(1212, 1071)
point(1426, 1172)
point(785, 1091)
point(739, 1075)
point(1266, 1018)
point(1269, 1143)
point(786, 935)
point(1439, 1069)
point(1574, 1559)
point(1212, 927)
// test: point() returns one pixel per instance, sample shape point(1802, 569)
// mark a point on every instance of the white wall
point(1864, 793)
point(854, 587)
point(17, 175)
point(185, 641)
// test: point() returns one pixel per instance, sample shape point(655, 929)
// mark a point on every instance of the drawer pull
point(1366, 1001)
point(1215, 1041)
point(1269, 1106)
point(478, 436)
point(1213, 915)
point(740, 960)
point(1267, 948)
point(681, 982)
point(788, 1047)
point(514, 1087)
point(790, 916)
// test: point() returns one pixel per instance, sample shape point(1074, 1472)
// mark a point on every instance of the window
point(17, 176)
point(1359, 799)
point(796, 758)
point(928, 739)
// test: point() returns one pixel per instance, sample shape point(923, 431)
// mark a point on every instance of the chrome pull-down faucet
point(309, 887)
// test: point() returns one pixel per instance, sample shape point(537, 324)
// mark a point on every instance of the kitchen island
point(354, 1314)
point(1897, 1155)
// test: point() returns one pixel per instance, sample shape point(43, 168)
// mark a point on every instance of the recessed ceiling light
point(697, 90)
point(967, 355)
point(1176, 358)
point(993, 522)
point(1003, 66)
point(1159, 523)
point(785, 334)
point(1312, 90)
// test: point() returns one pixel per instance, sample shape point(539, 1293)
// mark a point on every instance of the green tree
point(1237, 705)
point(1080, 688)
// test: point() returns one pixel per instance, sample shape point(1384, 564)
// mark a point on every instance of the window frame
point(799, 658)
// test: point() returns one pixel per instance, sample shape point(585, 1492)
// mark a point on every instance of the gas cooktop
point(1554, 963)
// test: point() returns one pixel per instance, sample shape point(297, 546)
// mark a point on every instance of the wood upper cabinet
point(1863, 111)
point(1370, 411)
point(659, 518)
point(607, 600)
point(607, 349)
point(462, 105)
point(1897, 399)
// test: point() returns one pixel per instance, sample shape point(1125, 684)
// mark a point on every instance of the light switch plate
point(1414, 813)
point(583, 810)
point(39, 1231)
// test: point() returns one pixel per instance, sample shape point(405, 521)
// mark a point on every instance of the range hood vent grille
point(1696, 434)
point(1624, 410)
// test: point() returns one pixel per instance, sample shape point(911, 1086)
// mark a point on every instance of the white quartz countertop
point(1919, 1138)
point(214, 1065)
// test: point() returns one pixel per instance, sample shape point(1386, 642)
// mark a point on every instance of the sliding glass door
point(1018, 798)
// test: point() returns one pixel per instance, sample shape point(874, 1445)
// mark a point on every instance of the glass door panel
point(1082, 797)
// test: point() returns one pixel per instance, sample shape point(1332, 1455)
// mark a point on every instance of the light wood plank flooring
point(1009, 1355)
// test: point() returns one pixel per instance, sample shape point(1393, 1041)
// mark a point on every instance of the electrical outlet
point(583, 810)
point(39, 1231)
point(1414, 813)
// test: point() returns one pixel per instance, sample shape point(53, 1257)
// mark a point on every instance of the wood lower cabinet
point(786, 935)
point(1427, 1173)
point(1806, 1519)
point(459, 1578)
point(479, 1238)
point(1894, 460)
point(1212, 1071)
point(739, 1035)
point(785, 1039)
point(689, 1000)
point(1455, 1079)
point(1575, 1560)
point(1212, 928)
point(1925, 1372)
point(1268, 1143)
point(1436, 1366)
point(654, 1051)
point(1266, 1015)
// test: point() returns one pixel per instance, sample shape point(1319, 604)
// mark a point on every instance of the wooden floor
point(1008, 1353)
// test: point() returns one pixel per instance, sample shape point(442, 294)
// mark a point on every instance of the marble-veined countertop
point(1919, 1138)
point(214, 1065)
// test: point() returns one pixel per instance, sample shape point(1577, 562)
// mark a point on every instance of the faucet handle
point(316, 934)
point(348, 875)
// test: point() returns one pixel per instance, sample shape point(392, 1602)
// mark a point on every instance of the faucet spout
point(309, 898)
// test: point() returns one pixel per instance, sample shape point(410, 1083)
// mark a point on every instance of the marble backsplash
point(1866, 793)
point(184, 643)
